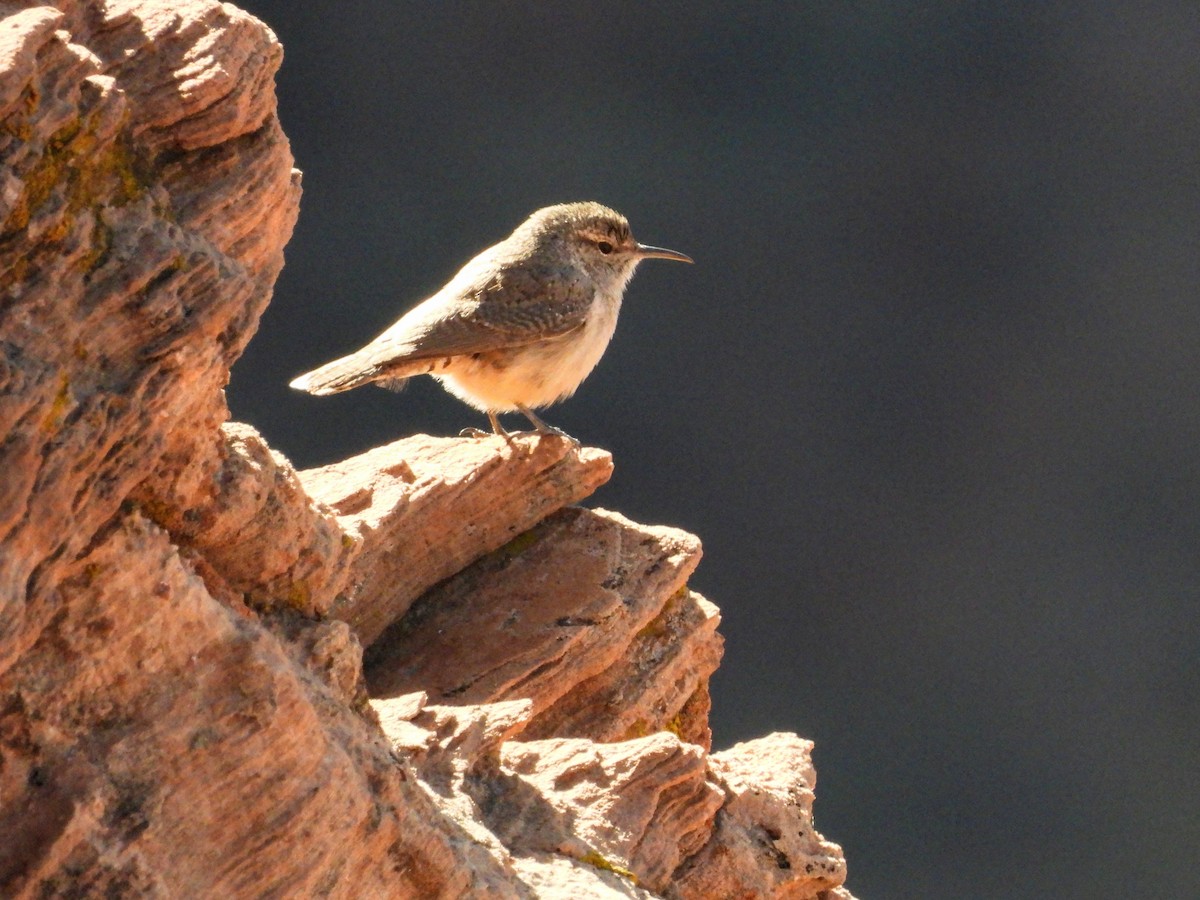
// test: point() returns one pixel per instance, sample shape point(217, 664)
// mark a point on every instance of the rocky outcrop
point(590, 618)
point(458, 498)
point(183, 704)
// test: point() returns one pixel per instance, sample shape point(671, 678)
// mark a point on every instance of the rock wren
point(519, 327)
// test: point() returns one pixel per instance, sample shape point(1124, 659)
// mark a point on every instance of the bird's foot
point(477, 433)
point(542, 429)
point(550, 431)
point(497, 430)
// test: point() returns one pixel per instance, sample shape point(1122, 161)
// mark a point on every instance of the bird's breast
point(535, 374)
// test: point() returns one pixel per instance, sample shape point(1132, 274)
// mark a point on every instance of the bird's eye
point(604, 247)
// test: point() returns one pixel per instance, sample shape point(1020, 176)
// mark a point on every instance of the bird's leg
point(542, 427)
point(497, 429)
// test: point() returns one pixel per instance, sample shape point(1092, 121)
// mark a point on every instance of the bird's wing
point(512, 308)
point(475, 313)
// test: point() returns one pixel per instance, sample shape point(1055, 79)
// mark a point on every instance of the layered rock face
point(184, 707)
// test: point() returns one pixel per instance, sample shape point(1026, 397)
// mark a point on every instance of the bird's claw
point(542, 429)
point(550, 430)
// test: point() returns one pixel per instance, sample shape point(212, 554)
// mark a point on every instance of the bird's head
point(594, 237)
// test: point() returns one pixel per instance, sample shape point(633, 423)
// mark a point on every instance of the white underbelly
point(537, 374)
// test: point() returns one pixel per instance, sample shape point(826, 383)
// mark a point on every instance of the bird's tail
point(339, 375)
point(387, 364)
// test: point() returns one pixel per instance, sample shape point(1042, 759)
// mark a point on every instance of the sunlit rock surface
point(183, 616)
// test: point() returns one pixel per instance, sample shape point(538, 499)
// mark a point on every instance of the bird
point(519, 327)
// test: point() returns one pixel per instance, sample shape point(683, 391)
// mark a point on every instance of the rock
point(640, 806)
point(241, 507)
point(633, 810)
point(380, 528)
point(764, 844)
point(143, 212)
point(659, 682)
point(157, 744)
point(421, 508)
point(591, 612)
point(183, 706)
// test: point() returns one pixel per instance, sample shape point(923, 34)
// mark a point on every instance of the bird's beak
point(646, 252)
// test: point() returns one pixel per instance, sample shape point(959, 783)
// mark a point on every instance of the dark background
point(929, 395)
